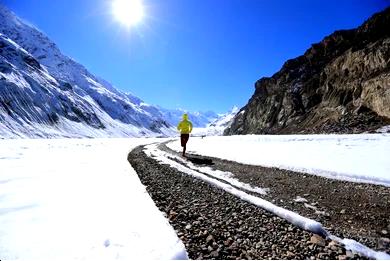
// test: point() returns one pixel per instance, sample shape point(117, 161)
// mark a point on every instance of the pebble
point(384, 243)
point(209, 239)
point(349, 254)
point(318, 240)
point(215, 253)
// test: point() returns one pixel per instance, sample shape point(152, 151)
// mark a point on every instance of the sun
point(128, 12)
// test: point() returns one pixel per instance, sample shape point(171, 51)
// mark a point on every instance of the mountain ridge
point(55, 96)
point(339, 85)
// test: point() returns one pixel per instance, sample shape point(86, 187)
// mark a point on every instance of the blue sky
point(192, 54)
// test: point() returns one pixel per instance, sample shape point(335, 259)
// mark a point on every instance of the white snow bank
point(360, 248)
point(384, 129)
point(358, 158)
point(78, 199)
point(222, 175)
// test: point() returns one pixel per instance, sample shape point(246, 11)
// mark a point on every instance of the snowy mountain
point(44, 93)
point(198, 119)
point(47, 94)
point(218, 125)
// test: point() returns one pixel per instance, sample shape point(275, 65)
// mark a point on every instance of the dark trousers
point(184, 139)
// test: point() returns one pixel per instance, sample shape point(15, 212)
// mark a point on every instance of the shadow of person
point(200, 161)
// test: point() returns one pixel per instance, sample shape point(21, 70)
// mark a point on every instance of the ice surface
point(78, 199)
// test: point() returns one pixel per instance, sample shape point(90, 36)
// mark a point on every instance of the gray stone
point(318, 240)
point(384, 243)
point(290, 254)
point(214, 254)
point(209, 239)
point(349, 254)
point(262, 229)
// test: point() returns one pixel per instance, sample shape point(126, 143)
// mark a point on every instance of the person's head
point(185, 116)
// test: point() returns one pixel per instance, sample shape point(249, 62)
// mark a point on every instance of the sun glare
point(128, 12)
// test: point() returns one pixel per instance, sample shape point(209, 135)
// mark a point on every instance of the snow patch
point(300, 199)
point(384, 129)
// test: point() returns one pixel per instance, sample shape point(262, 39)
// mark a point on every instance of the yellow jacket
point(185, 126)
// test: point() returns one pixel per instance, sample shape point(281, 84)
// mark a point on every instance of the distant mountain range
point(217, 126)
point(44, 93)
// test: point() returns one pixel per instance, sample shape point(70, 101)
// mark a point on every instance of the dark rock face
point(341, 85)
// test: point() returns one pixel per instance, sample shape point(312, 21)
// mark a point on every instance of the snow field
point(358, 158)
point(78, 199)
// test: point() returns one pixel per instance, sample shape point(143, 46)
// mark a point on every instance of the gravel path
point(347, 209)
point(214, 224)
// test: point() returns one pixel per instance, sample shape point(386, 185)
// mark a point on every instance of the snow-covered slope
point(218, 125)
point(44, 93)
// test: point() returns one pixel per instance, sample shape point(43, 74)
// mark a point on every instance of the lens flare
point(128, 12)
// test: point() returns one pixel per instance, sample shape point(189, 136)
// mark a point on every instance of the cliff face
point(340, 85)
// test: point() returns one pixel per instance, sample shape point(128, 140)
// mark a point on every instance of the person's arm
point(190, 126)
point(179, 126)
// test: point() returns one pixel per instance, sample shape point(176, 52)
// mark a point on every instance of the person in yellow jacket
point(185, 128)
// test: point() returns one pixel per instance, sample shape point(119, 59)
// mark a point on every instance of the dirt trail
point(348, 210)
point(214, 224)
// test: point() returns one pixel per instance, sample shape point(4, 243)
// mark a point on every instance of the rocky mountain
point(44, 93)
point(339, 85)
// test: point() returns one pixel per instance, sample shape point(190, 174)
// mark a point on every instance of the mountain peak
point(47, 94)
